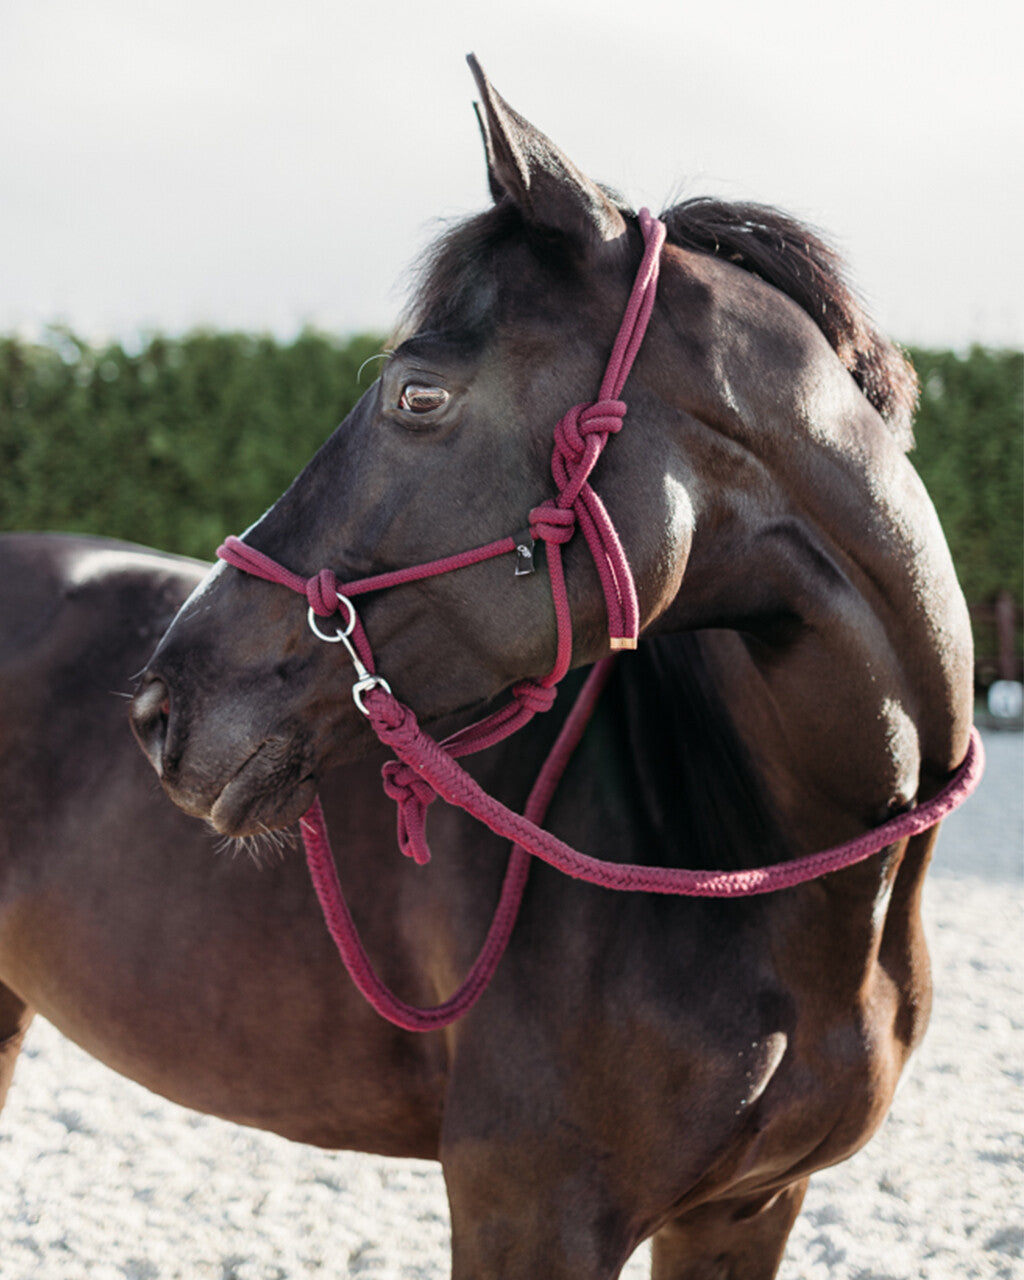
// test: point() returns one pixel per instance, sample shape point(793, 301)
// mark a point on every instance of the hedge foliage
point(173, 445)
point(186, 439)
point(970, 454)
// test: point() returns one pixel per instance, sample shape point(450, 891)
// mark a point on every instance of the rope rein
point(425, 770)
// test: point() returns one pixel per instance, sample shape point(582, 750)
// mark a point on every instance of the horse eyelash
point(381, 355)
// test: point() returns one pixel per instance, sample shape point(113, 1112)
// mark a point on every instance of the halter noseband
point(426, 769)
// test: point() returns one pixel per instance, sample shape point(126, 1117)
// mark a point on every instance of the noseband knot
point(322, 593)
point(535, 697)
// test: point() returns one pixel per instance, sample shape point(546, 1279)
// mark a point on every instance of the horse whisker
point(263, 848)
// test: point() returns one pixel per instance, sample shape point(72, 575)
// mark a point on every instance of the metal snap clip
point(364, 680)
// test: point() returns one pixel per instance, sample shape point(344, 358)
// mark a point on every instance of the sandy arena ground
point(100, 1180)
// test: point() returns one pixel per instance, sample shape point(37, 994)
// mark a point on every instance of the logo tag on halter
point(524, 554)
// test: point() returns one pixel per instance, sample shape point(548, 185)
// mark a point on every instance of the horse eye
point(419, 399)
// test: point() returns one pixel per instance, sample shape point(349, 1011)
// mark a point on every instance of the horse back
point(105, 597)
point(78, 618)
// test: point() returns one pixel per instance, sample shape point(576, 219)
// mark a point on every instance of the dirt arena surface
point(100, 1180)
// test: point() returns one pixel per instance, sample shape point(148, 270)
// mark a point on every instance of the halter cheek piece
point(425, 769)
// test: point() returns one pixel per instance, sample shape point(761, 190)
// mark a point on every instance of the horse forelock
point(797, 261)
point(453, 288)
point(458, 285)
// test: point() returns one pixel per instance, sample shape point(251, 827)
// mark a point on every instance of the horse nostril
point(150, 712)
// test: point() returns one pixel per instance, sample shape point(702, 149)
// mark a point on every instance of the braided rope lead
point(453, 784)
point(341, 926)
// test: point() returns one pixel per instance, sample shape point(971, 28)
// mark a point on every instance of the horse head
point(748, 457)
point(241, 706)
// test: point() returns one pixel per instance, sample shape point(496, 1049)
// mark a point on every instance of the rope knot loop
point(599, 418)
point(534, 696)
point(322, 593)
point(551, 523)
point(602, 417)
point(412, 794)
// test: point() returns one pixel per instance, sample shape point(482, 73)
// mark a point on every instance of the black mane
point(696, 787)
point(788, 255)
point(455, 285)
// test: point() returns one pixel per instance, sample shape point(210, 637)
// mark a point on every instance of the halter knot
point(534, 696)
point(594, 418)
point(322, 593)
point(579, 439)
point(412, 794)
point(551, 523)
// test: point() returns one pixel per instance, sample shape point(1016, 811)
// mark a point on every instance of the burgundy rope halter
point(425, 769)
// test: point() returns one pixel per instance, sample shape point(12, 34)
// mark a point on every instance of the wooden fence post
point(1005, 616)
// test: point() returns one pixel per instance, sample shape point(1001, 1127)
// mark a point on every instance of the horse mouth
point(269, 791)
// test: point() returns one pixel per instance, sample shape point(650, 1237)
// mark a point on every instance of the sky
point(266, 166)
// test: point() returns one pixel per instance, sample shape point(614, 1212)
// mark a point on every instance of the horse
point(641, 1064)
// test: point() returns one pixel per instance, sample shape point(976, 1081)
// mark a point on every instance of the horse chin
point(267, 793)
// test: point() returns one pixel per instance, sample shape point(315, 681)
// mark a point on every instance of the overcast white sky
point(258, 165)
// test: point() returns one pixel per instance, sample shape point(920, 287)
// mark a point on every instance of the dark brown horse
point(640, 1065)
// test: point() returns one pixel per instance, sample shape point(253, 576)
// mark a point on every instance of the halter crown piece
point(425, 769)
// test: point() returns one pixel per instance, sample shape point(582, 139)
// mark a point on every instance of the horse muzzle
point(238, 784)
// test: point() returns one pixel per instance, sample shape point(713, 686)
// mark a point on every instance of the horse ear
point(524, 165)
point(497, 190)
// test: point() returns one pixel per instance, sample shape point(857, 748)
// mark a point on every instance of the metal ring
point(364, 686)
point(343, 603)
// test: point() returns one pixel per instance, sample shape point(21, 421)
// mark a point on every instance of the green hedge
point(186, 439)
point(970, 454)
point(174, 445)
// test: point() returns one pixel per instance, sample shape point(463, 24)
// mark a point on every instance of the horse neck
point(842, 649)
point(660, 776)
point(668, 747)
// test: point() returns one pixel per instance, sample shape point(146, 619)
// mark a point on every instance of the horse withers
point(641, 1065)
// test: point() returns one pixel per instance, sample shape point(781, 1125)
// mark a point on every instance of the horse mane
point(455, 286)
point(788, 255)
point(693, 783)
